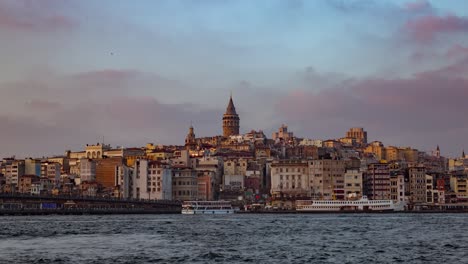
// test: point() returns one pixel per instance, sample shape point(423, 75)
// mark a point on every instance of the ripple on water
point(233, 239)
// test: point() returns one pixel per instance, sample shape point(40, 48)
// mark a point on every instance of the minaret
point(190, 142)
point(230, 120)
point(463, 154)
point(438, 152)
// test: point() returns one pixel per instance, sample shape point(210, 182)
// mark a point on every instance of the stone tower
point(190, 141)
point(230, 120)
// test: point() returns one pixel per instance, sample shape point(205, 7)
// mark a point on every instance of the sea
point(238, 238)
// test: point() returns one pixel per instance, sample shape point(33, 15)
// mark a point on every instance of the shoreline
point(146, 212)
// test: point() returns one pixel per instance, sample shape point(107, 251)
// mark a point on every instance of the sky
point(79, 72)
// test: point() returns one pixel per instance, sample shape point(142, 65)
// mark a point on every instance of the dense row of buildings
point(249, 167)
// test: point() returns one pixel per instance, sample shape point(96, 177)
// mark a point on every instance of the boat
point(207, 207)
point(363, 204)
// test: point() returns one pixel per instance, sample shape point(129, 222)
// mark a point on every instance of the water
point(361, 238)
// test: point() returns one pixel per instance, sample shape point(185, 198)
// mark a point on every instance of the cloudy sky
point(72, 72)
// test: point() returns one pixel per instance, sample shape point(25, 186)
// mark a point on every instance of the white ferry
point(362, 204)
point(207, 207)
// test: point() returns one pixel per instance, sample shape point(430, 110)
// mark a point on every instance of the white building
point(123, 181)
point(152, 180)
point(289, 178)
point(160, 179)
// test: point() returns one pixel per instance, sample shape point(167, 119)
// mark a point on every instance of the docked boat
point(207, 207)
point(362, 204)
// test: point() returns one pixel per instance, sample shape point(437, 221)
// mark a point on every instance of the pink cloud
point(457, 51)
point(425, 29)
point(33, 16)
point(60, 112)
point(408, 111)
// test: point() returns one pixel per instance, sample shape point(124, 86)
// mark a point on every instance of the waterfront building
point(458, 184)
point(184, 184)
point(358, 134)
point(160, 180)
point(435, 189)
point(235, 170)
point(231, 120)
point(123, 181)
point(353, 182)
point(377, 182)
point(327, 178)
point(206, 184)
point(105, 171)
point(416, 184)
point(253, 182)
point(289, 179)
point(141, 185)
point(397, 187)
point(152, 180)
point(215, 166)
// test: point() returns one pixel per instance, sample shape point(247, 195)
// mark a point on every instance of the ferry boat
point(363, 204)
point(207, 207)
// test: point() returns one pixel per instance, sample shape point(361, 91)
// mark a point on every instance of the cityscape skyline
point(71, 77)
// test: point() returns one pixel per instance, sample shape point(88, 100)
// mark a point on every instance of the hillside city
point(248, 167)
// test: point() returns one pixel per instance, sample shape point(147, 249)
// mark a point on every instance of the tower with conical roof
point(230, 120)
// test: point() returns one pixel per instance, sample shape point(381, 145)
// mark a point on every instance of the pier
point(17, 204)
